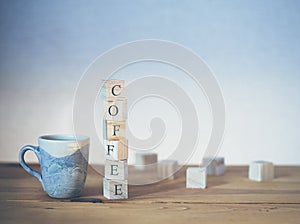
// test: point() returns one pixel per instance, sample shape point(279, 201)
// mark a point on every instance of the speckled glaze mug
point(63, 160)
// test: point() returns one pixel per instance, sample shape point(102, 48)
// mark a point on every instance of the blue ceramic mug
point(63, 160)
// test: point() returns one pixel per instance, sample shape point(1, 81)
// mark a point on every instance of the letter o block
point(116, 110)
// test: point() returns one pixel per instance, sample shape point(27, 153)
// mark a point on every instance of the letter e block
point(116, 169)
point(115, 189)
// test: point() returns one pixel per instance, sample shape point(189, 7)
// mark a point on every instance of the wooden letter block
point(116, 150)
point(116, 169)
point(113, 89)
point(146, 161)
point(116, 110)
point(261, 171)
point(115, 189)
point(196, 177)
point(114, 130)
point(167, 169)
point(214, 166)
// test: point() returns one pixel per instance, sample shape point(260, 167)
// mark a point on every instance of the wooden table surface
point(230, 198)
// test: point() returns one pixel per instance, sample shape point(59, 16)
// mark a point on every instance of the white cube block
point(146, 161)
point(115, 189)
point(116, 170)
point(196, 177)
point(214, 166)
point(167, 169)
point(116, 150)
point(261, 171)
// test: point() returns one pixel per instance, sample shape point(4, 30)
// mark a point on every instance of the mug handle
point(22, 152)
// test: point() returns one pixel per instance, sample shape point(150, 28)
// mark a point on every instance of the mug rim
point(63, 138)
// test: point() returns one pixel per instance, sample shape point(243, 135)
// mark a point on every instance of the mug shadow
point(93, 185)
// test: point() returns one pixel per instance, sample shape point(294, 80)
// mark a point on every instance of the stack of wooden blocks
point(115, 183)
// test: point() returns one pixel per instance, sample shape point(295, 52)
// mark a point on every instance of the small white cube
point(214, 166)
point(167, 169)
point(261, 171)
point(146, 161)
point(196, 177)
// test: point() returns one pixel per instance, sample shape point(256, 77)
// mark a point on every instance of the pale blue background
point(252, 46)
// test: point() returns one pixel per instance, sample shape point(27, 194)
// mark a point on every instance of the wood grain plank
point(26, 212)
point(231, 198)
